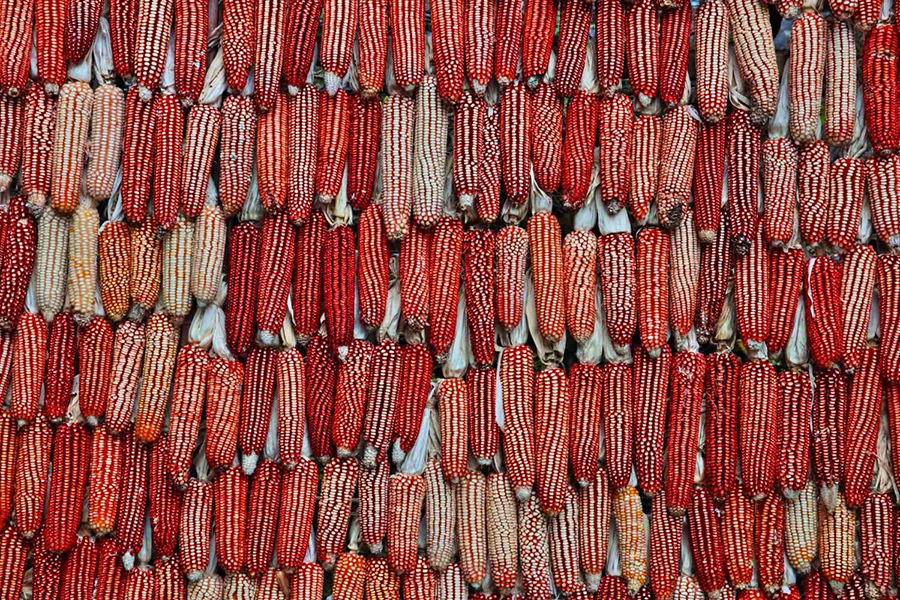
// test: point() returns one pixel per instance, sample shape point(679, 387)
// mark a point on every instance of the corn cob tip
point(343, 453)
point(837, 587)
point(248, 463)
point(534, 80)
point(370, 453)
point(144, 93)
point(91, 421)
point(741, 245)
point(397, 453)
point(676, 511)
point(332, 83)
point(376, 548)
point(137, 313)
point(5, 180)
point(873, 592)
point(829, 496)
point(51, 89)
point(128, 560)
point(706, 236)
point(266, 339)
point(673, 217)
point(592, 582)
point(194, 575)
point(323, 460)
point(791, 495)
point(523, 494)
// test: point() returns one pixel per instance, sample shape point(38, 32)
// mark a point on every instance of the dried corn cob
point(28, 360)
point(338, 488)
point(545, 248)
point(272, 144)
point(238, 131)
point(794, 442)
point(146, 269)
point(321, 381)
point(836, 551)
point(511, 247)
point(125, 370)
point(161, 346)
point(786, 280)
point(268, 52)
point(585, 389)
point(879, 83)
point(362, 158)
point(578, 147)
point(414, 275)
point(37, 146)
point(551, 436)
point(632, 537)
point(537, 39)
point(813, 179)
point(753, 307)
point(302, 23)
point(306, 293)
point(406, 494)
point(373, 500)
point(72, 448)
point(610, 47)
point(298, 498)
point(678, 147)
point(478, 250)
point(687, 374)
point(652, 295)
point(17, 22)
point(829, 423)
point(823, 312)
point(863, 420)
point(32, 464)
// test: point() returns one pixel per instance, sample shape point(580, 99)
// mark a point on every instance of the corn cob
point(574, 26)
point(381, 582)
point(267, 53)
point(6, 346)
point(545, 247)
point(511, 247)
point(108, 115)
point(876, 543)
point(208, 253)
point(840, 80)
point(808, 57)
point(431, 125)
point(779, 158)
point(140, 583)
point(610, 47)
point(365, 132)
point(642, 49)
point(32, 464)
point(168, 137)
point(298, 497)
point(204, 123)
point(845, 202)
point(224, 379)
point(752, 293)
point(440, 518)
point(563, 542)
point(823, 312)
point(193, 534)
point(684, 272)
point(551, 438)
point(107, 464)
point(737, 536)
point(471, 519)
point(420, 583)
point(537, 39)
point(69, 144)
point(169, 580)
point(760, 405)
point(709, 172)
point(479, 287)
point(256, 404)
point(829, 423)
point(165, 502)
point(478, 43)
point(339, 286)
point(110, 574)
point(502, 532)
point(468, 146)
point(79, 569)
point(618, 404)
point(794, 442)
point(800, 531)
point(154, 23)
point(94, 362)
point(722, 409)
point(160, 345)
point(674, 42)
point(546, 136)
point(706, 543)
point(16, 21)
point(687, 374)
point(177, 260)
point(754, 49)
point(37, 146)
point(414, 276)
point(770, 543)
point(593, 528)
point(629, 517)
point(373, 502)
point(272, 143)
point(813, 180)
point(397, 134)
point(303, 115)
point(8, 465)
point(887, 276)
point(28, 360)
point(373, 266)
point(350, 576)
point(677, 154)
point(300, 33)
point(483, 431)
point(406, 494)
point(125, 369)
point(652, 296)
point(716, 260)
point(47, 571)
point(238, 130)
point(49, 39)
point(487, 203)
point(857, 282)
point(407, 42)
point(515, 149)
point(191, 33)
point(338, 488)
point(138, 152)
point(786, 279)
point(114, 256)
point(616, 265)
point(82, 282)
point(320, 388)
point(881, 178)
point(290, 378)
point(19, 241)
point(447, 38)
point(339, 20)
point(879, 83)
point(72, 448)
point(517, 381)
point(276, 265)
point(188, 395)
point(665, 548)
point(712, 30)
point(308, 272)
point(582, 114)
point(615, 123)
point(373, 27)
point(133, 497)
point(586, 395)
point(230, 513)
point(651, 380)
point(863, 419)
point(443, 303)
point(744, 149)
point(534, 549)
point(334, 141)
point(453, 408)
point(836, 549)
point(381, 401)
point(11, 141)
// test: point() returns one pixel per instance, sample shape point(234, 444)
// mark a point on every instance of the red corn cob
point(709, 172)
point(534, 549)
point(840, 93)
point(610, 48)
point(188, 395)
point(79, 569)
point(880, 81)
point(290, 380)
point(11, 147)
point(373, 266)
point(614, 124)
point(381, 401)
point(642, 49)
point(230, 514)
point(454, 420)
point(238, 42)
point(511, 247)
point(203, 125)
point(407, 21)
point(483, 431)
point(160, 348)
point(752, 294)
point(665, 549)
point(760, 405)
point(706, 542)
point(382, 582)
point(564, 546)
point(350, 576)
point(651, 381)
point(334, 141)
point(308, 272)
point(362, 157)
point(780, 185)
point(537, 39)
point(674, 42)
point(39, 120)
point(238, 143)
point(7, 466)
point(223, 400)
point(737, 535)
point(94, 361)
point(515, 149)
point(794, 442)
point(16, 21)
point(479, 286)
point(546, 136)
point(881, 179)
point(339, 286)
point(813, 179)
point(127, 358)
point(744, 150)
point(578, 147)
point(447, 38)
point(551, 406)
point(687, 374)
point(786, 279)
point(723, 371)
point(339, 21)
point(13, 556)
point(414, 276)
point(193, 534)
point(405, 496)
point(545, 247)
point(32, 465)
point(487, 204)
point(876, 527)
point(478, 43)
point(138, 156)
point(845, 202)
point(574, 26)
point(165, 502)
point(829, 423)
point(47, 571)
point(616, 266)
point(676, 164)
point(107, 468)
point(684, 272)
point(298, 504)
point(887, 277)
point(586, 394)
point(321, 379)
point(863, 420)
point(509, 41)
point(256, 404)
point(468, 146)
point(72, 448)
point(712, 32)
point(652, 297)
point(272, 144)
point(50, 34)
point(133, 498)
point(420, 583)
point(397, 137)
point(823, 312)
point(191, 32)
point(593, 528)
point(168, 135)
point(443, 303)
point(373, 41)
point(618, 403)
point(808, 50)
point(517, 382)
point(276, 265)
point(110, 574)
point(29, 356)
point(769, 543)
point(502, 534)
point(338, 488)
point(415, 384)
point(268, 52)
point(471, 521)
point(857, 282)
point(19, 245)
point(373, 501)
point(301, 24)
